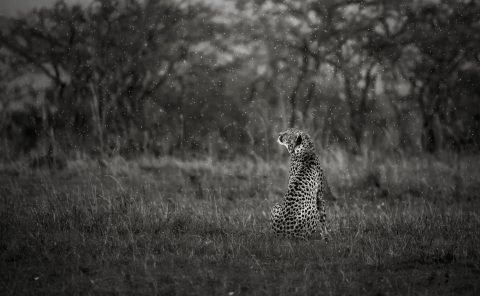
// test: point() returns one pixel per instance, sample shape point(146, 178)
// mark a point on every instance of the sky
point(12, 7)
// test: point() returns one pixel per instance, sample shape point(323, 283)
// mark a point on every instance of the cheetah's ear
point(298, 141)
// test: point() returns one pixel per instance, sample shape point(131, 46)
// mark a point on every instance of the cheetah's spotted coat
point(302, 211)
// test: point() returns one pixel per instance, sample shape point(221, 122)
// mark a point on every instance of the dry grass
point(164, 226)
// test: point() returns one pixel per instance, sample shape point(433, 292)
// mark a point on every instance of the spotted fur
point(302, 211)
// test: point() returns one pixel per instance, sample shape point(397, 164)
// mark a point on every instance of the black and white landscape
point(139, 154)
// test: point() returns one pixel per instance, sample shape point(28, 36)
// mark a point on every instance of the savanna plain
point(401, 225)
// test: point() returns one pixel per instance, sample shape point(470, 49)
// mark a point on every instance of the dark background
point(223, 78)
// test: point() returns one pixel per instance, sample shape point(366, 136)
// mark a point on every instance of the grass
point(169, 227)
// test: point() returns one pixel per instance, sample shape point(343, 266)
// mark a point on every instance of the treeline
point(175, 77)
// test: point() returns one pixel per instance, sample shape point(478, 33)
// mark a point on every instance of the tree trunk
point(432, 134)
point(293, 95)
point(293, 103)
point(358, 110)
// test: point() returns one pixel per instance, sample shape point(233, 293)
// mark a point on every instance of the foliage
point(169, 77)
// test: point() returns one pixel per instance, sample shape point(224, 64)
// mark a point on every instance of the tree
point(418, 49)
point(107, 60)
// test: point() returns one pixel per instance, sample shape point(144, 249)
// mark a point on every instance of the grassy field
point(401, 225)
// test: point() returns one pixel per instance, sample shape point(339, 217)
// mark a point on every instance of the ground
point(402, 225)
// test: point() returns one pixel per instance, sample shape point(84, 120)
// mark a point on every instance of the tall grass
point(164, 226)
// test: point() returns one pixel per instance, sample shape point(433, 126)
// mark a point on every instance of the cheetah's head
point(297, 142)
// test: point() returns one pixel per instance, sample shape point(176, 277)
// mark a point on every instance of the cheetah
point(302, 211)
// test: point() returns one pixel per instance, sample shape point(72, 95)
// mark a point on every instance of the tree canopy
point(170, 77)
